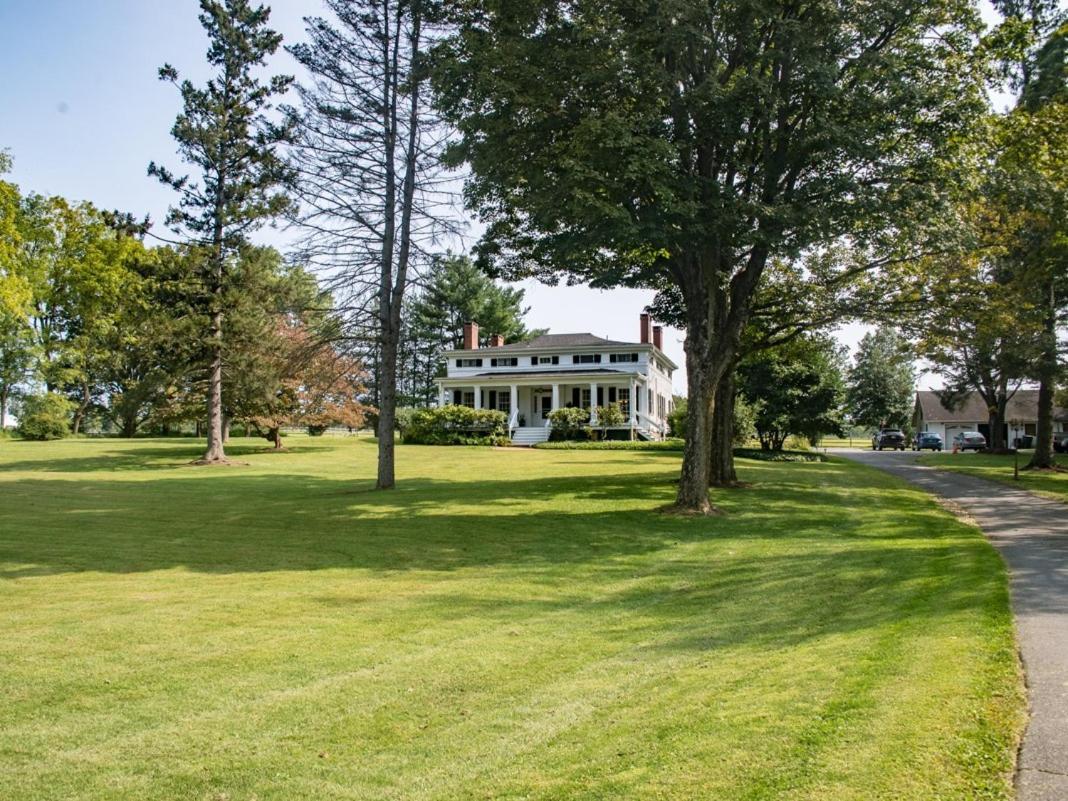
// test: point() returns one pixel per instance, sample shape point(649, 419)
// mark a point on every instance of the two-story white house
point(528, 380)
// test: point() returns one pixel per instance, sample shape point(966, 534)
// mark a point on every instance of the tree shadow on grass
point(802, 558)
point(179, 455)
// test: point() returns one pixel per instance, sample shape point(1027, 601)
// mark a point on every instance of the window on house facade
point(469, 399)
point(586, 358)
point(545, 360)
point(468, 362)
point(623, 399)
point(504, 401)
point(650, 407)
point(585, 399)
point(622, 357)
point(505, 361)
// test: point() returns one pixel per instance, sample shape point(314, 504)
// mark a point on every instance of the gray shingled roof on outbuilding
point(1022, 406)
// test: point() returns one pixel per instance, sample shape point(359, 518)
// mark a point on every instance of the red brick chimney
point(645, 337)
point(470, 336)
point(658, 337)
point(496, 340)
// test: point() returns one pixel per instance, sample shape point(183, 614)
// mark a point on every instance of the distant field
point(1000, 468)
point(507, 624)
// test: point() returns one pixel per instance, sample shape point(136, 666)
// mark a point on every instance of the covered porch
point(529, 402)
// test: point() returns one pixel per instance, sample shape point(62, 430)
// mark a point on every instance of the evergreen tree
point(456, 292)
point(223, 133)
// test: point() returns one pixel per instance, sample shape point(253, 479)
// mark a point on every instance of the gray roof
point(562, 372)
point(546, 341)
point(1022, 406)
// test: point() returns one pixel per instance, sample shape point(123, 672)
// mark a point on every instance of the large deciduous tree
point(682, 145)
point(881, 383)
point(370, 175)
point(224, 134)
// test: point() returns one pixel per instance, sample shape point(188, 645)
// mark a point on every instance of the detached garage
point(971, 414)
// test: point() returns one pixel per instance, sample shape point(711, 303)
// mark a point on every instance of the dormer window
point(617, 358)
point(586, 358)
point(505, 361)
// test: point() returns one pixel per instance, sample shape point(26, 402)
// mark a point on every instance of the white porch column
point(632, 406)
point(593, 403)
point(478, 397)
point(444, 399)
point(556, 397)
point(513, 396)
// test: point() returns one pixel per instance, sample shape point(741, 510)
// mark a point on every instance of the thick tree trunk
point(1043, 455)
point(226, 428)
point(387, 409)
point(129, 425)
point(215, 451)
point(3, 409)
point(1047, 375)
point(721, 471)
point(693, 482)
point(275, 435)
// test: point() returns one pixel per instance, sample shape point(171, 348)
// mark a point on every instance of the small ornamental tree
point(316, 387)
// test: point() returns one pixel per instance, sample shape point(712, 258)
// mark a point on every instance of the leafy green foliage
point(610, 415)
point(44, 417)
point(457, 425)
point(682, 147)
point(569, 423)
point(881, 383)
point(796, 388)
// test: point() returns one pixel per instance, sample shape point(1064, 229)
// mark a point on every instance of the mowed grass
point(507, 624)
point(1052, 484)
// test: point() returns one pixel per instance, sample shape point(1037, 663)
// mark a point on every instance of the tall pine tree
point(224, 134)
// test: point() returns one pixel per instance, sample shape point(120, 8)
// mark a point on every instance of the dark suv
point(892, 438)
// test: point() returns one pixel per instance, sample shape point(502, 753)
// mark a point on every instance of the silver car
point(969, 441)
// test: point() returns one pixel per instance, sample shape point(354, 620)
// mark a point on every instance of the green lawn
point(508, 624)
point(1000, 468)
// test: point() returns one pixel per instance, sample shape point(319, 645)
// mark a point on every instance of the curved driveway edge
point(1032, 535)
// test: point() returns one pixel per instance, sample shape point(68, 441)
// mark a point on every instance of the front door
point(543, 404)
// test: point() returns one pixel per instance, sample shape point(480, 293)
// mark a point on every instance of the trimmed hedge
point(677, 445)
point(456, 425)
point(614, 445)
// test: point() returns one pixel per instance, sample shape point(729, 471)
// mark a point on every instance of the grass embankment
point(506, 624)
point(1052, 484)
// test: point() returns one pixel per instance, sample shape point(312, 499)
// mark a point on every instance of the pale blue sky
point(82, 113)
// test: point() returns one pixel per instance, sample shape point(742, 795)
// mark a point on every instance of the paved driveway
point(1032, 535)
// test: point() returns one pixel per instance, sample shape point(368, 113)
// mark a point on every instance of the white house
point(1021, 415)
point(528, 380)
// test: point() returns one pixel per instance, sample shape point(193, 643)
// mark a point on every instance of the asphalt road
point(1032, 535)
